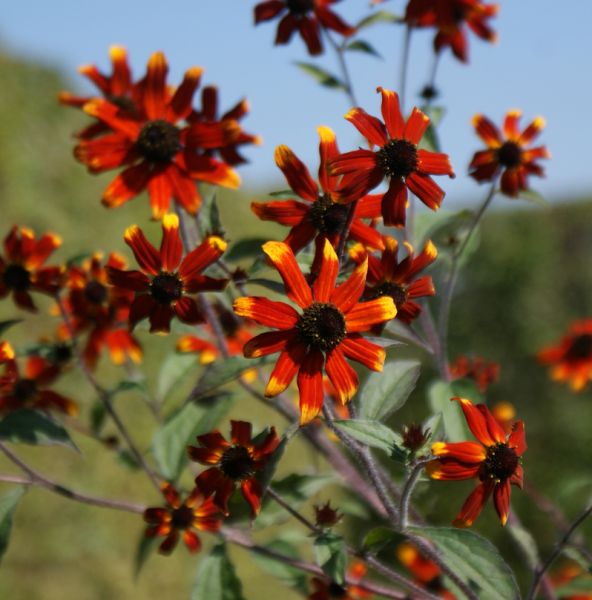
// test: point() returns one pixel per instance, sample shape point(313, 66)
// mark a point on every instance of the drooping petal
point(424, 187)
point(154, 89)
point(473, 505)
point(285, 369)
point(310, 33)
point(342, 375)
point(310, 386)
point(160, 318)
point(159, 191)
point(394, 204)
point(266, 312)
point(265, 11)
point(187, 311)
point(252, 491)
point(140, 309)
point(267, 343)
point(501, 500)
point(296, 173)
point(191, 540)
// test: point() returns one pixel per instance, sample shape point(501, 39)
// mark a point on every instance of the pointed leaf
point(372, 433)
point(8, 504)
point(32, 427)
point(363, 46)
point(331, 555)
point(455, 428)
point(4, 325)
point(323, 77)
point(381, 16)
point(174, 368)
point(146, 547)
point(216, 578)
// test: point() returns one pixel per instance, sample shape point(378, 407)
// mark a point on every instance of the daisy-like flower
point(29, 389)
point(494, 460)
point(482, 372)
point(22, 267)
point(102, 310)
point(305, 16)
point(196, 512)
point(322, 335)
point(157, 150)
point(508, 152)
point(233, 463)
point(426, 572)
point(398, 159)
point(166, 279)
point(320, 214)
point(571, 359)
point(451, 18)
point(398, 279)
point(325, 589)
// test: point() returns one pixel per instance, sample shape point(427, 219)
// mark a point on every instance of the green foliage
point(439, 395)
point(146, 546)
point(32, 427)
point(290, 576)
point(323, 77)
point(331, 555)
point(245, 248)
point(362, 46)
point(378, 538)
point(5, 325)
point(175, 368)
point(216, 578)
point(8, 504)
point(373, 434)
point(381, 16)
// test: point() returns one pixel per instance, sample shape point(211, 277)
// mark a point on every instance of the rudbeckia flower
point(494, 460)
point(233, 463)
point(398, 160)
point(508, 152)
point(196, 512)
point(571, 359)
point(322, 335)
point(426, 572)
point(482, 372)
point(166, 279)
point(320, 214)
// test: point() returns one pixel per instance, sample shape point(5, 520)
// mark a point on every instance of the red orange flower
point(327, 330)
point(426, 572)
point(484, 373)
point(166, 279)
point(233, 463)
point(571, 573)
point(398, 159)
point(388, 276)
point(28, 390)
point(21, 267)
point(449, 17)
point(157, 151)
point(571, 359)
point(494, 460)
point(508, 152)
point(325, 589)
point(320, 214)
point(195, 512)
point(306, 16)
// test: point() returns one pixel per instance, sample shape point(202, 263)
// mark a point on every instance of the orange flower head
point(234, 462)
point(157, 148)
point(166, 279)
point(508, 152)
point(320, 215)
point(325, 589)
point(398, 160)
point(571, 359)
point(196, 512)
point(398, 279)
point(494, 460)
point(427, 573)
point(479, 370)
point(305, 16)
point(322, 335)
point(30, 388)
point(22, 269)
point(451, 18)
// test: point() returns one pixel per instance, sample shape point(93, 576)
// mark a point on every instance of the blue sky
point(540, 64)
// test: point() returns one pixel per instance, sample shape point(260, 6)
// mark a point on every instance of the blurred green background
point(529, 278)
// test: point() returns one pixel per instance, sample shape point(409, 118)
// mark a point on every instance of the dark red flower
point(21, 267)
point(325, 589)
point(398, 159)
point(29, 390)
point(234, 463)
point(327, 330)
point(196, 512)
point(484, 373)
point(158, 152)
point(427, 573)
point(508, 153)
point(166, 279)
point(305, 16)
point(494, 460)
point(320, 214)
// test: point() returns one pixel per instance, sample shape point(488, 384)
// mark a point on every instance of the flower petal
point(370, 127)
point(187, 310)
point(145, 253)
point(266, 312)
point(466, 452)
point(252, 491)
point(282, 257)
point(201, 257)
point(346, 295)
point(487, 131)
point(126, 185)
point(449, 469)
point(394, 204)
point(362, 351)
point(325, 282)
point(328, 150)
point(296, 173)
point(267, 343)
point(477, 422)
point(365, 314)
point(171, 247)
point(342, 375)
point(473, 505)
point(180, 104)
point(240, 432)
point(310, 386)
point(285, 369)
point(424, 187)
point(416, 125)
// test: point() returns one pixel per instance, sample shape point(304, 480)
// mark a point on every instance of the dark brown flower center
point(336, 591)
point(182, 517)
point(328, 216)
point(237, 463)
point(24, 390)
point(300, 7)
point(158, 141)
point(397, 158)
point(17, 278)
point(500, 463)
point(396, 291)
point(95, 292)
point(581, 347)
point(509, 155)
point(166, 288)
point(321, 326)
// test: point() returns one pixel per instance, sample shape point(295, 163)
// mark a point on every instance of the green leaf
point(98, 415)
point(127, 385)
point(174, 368)
point(475, 560)
point(455, 428)
point(210, 222)
point(8, 504)
point(381, 16)
point(270, 284)
point(447, 230)
point(216, 578)
point(225, 371)
point(372, 433)
point(362, 46)
point(292, 577)
point(5, 325)
point(331, 555)
point(466, 388)
point(146, 547)
point(534, 197)
point(322, 76)
point(525, 540)
point(384, 393)
point(379, 537)
point(245, 248)
point(32, 427)
point(283, 194)
point(169, 445)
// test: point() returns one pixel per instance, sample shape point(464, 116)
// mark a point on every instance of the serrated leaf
point(362, 46)
point(323, 77)
point(379, 537)
point(174, 368)
point(169, 445)
point(292, 577)
point(381, 16)
point(331, 555)
point(146, 547)
point(5, 325)
point(455, 428)
point(216, 578)
point(371, 433)
point(245, 248)
point(8, 504)
point(384, 393)
point(475, 560)
point(32, 427)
